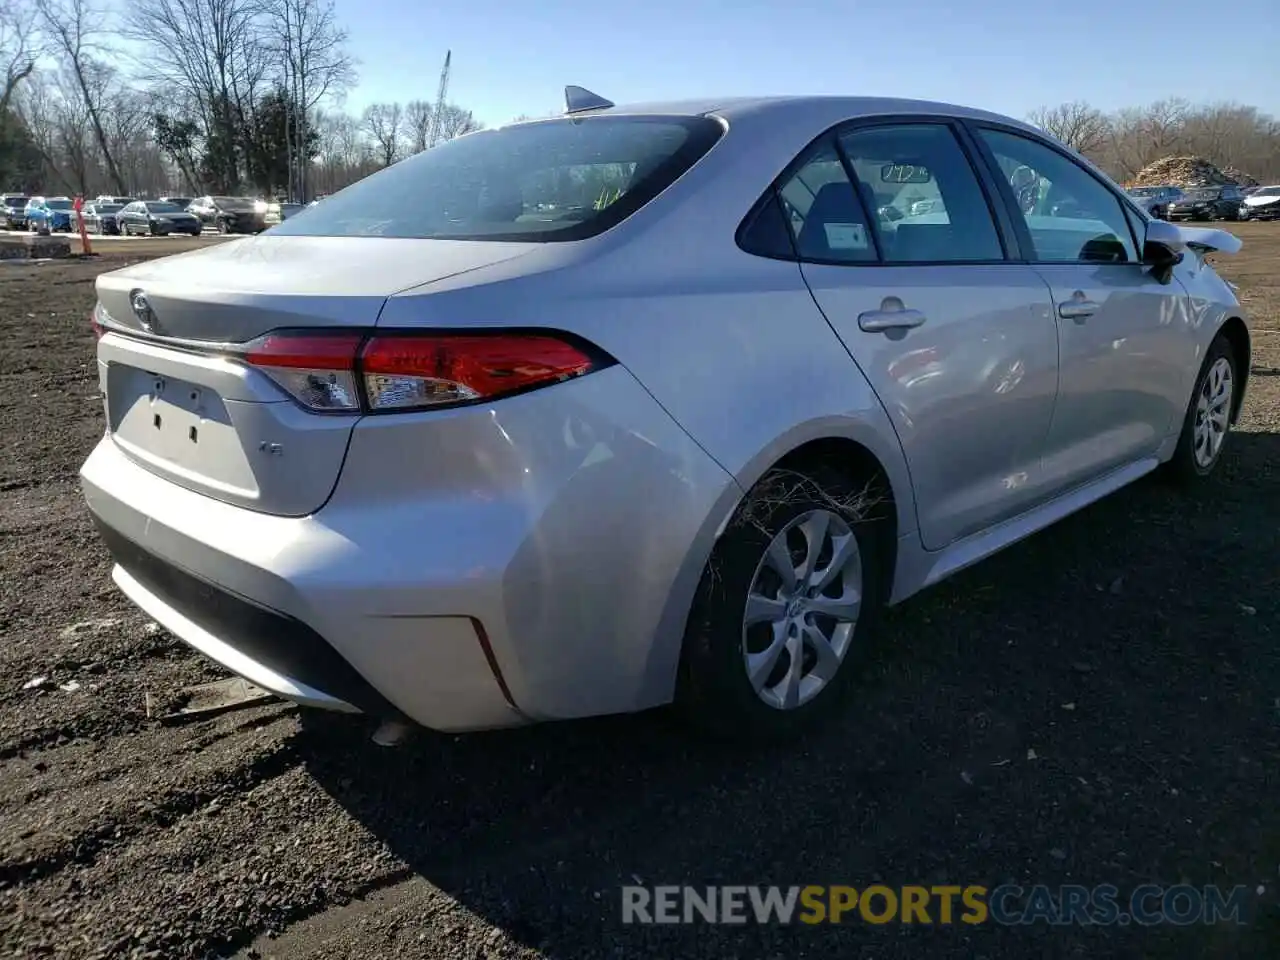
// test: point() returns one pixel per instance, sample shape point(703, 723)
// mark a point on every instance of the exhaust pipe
point(392, 733)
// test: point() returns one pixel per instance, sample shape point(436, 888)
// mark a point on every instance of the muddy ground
point(1100, 704)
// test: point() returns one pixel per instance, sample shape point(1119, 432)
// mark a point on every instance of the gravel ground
point(1100, 704)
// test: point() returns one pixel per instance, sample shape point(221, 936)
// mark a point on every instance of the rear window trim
point(705, 131)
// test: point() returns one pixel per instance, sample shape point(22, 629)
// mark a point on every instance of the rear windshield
point(12, 201)
point(562, 179)
point(159, 206)
point(58, 204)
point(106, 207)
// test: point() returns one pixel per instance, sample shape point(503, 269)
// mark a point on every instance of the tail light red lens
point(413, 372)
point(388, 372)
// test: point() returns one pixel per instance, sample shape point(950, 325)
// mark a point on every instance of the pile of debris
point(1239, 176)
point(1187, 172)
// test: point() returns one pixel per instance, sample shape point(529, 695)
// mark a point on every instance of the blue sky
point(515, 56)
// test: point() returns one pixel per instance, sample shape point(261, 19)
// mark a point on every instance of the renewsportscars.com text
point(1009, 904)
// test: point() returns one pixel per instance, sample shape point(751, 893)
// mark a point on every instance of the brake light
point(94, 325)
point(317, 370)
point(404, 372)
point(415, 371)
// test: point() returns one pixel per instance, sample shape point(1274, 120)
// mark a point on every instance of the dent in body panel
point(1210, 303)
point(563, 520)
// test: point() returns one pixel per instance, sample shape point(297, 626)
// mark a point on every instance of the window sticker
point(846, 236)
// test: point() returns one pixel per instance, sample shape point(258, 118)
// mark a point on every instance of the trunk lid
point(184, 410)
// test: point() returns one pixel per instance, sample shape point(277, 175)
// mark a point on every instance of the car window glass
point(767, 233)
point(550, 180)
point(827, 221)
point(929, 206)
point(1069, 214)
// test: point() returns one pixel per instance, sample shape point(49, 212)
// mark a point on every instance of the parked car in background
point(1262, 204)
point(100, 217)
point(157, 219)
point(49, 213)
point(230, 214)
point(13, 211)
point(1207, 203)
point(1155, 200)
point(119, 201)
point(279, 211)
point(493, 391)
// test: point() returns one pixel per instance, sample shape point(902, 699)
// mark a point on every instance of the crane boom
point(437, 111)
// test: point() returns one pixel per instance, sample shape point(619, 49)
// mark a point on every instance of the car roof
point(834, 107)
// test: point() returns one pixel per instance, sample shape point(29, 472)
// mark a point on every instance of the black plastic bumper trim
point(276, 640)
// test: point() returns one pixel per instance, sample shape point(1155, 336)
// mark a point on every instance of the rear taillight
point(96, 326)
point(389, 372)
point(317, 370)
point(406, 372)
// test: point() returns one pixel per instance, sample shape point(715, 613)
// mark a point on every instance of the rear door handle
point(874, 321)
point(1077, 309)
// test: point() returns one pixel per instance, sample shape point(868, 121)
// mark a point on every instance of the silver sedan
point(642, 405)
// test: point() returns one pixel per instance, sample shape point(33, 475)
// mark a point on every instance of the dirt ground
point(1100, 704)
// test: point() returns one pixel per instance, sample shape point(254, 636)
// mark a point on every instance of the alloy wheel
point(1213, 412)
point(802, 608)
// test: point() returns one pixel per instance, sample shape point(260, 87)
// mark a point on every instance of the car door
point(129, 217)
point(957, 340)
point(1123, 334)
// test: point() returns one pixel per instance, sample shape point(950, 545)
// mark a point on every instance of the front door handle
point(1074, 309)
point(875, 321)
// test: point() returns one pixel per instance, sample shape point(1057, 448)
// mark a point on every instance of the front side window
point(1069, 214)
point(927, 202)
point(562, 179)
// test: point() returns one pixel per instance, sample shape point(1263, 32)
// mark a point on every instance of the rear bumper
point(474, 568)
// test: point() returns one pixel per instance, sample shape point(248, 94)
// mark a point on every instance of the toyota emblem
point(142, 310)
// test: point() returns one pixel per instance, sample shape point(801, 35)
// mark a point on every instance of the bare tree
point(1084, 128)
point(72, 26)
point(210, 51)
point(54, 128)
point(316, 65)
point(417, 122)
point(17, 47)
point(382, 121)
point(455, 121)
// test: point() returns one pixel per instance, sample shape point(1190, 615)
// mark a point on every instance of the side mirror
point(1163, 249)
point(1164, 243)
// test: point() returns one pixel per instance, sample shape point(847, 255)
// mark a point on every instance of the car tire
point(804, 660)
point(1207, 422)
point(223, 228)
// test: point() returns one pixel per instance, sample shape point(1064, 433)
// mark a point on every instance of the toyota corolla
point(643, 405)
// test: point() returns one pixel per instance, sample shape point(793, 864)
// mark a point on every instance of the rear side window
point(827, 221)
point(929, 206)
point(562, 179)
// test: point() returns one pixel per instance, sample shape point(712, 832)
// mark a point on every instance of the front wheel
point(786, 606)
point(1208, 417)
